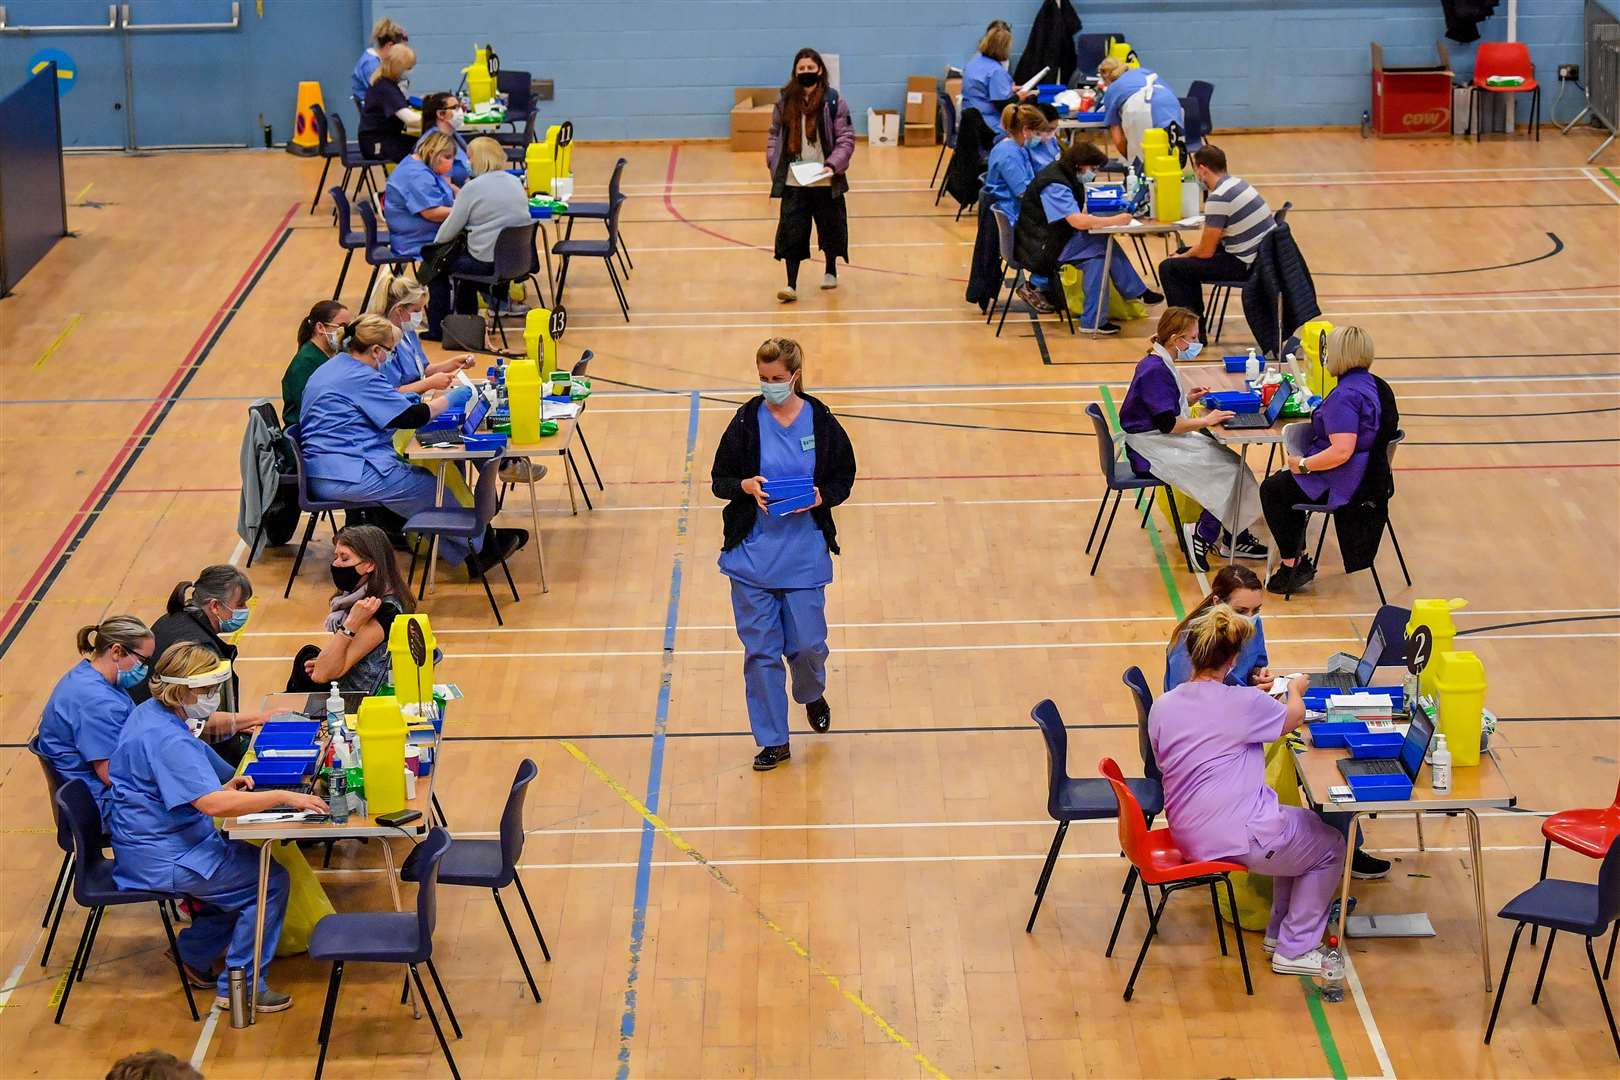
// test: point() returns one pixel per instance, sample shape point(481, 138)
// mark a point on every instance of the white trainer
point(787, 294)
point(1269, 946)
point(829, 281)
point(1309, 964)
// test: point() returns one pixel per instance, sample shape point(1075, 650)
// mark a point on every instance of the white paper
point(913, 97)
point(1358, 701)
point(558, 410)
point(807, 172)
point(1279, 686)
point(1039, 75)
point(1190, 222)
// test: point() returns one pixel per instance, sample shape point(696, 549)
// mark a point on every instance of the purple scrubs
point(1208, 739)
point(1152, 403)
point(1351, 407)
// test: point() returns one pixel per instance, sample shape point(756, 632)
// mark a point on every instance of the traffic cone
point(306, 141)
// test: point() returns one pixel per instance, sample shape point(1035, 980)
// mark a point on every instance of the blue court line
point(655, 764)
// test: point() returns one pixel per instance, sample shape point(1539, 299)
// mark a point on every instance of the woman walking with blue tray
point(783, 463)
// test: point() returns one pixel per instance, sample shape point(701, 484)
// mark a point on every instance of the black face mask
point(807, 79)
point(346, 578)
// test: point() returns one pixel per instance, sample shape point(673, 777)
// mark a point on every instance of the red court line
point(141, 429)
point(1480, 292)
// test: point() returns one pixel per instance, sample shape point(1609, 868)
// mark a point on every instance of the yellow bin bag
point(1119, 309)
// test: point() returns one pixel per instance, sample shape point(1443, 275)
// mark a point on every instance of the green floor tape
point(1324, 1034)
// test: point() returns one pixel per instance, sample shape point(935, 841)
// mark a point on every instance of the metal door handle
point(82, 28)
point(236, 21)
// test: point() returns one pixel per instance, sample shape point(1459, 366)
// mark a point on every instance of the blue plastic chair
point(379, 252)
point(310, 505)
point(1201, 91)
point(94, 888)
point(1085, 799)
point(349, 239)
point(1120, 478)
point(1329, 513)
point(354, 161)
point(492, 865)
point(945, 106)
point(1575, 908)
point(601, 211)
point(594, 249)
point(465, 523)
point(388, 937)
point(328, 150)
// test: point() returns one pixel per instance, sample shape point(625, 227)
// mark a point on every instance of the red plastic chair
point(1505, 58)
point(1159, 863)
point(1590, 831)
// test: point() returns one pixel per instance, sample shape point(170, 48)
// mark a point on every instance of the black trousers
point(465, 301)
point(1184, 277)
point(1278, 495)
point(801, 206)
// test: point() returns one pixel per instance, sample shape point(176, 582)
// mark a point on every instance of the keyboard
point(1335, 680)
point(1370, 767)
point(452, 436)
point(1246, 421)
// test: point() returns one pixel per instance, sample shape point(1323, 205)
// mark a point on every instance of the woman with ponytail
point(1209, 741)
point(320, 336)
point(87, 709)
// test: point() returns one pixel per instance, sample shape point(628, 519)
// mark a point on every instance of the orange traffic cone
point(306, 141)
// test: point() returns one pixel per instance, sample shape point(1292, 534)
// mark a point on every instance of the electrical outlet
point(1569, 73)
point(542, 89)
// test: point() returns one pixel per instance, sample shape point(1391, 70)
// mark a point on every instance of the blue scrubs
point(461, 167)
point(82, 721)
point(1086, 251)
point(1178, 665)
point(360, 81)
point(408, 362)
point(779, 575)
point(1163, 105)
point(413, 188)
point(165, 844)
point(1008, 173)
point(349, 450)
point(983, 81)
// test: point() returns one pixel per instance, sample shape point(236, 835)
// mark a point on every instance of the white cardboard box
point(882, 127)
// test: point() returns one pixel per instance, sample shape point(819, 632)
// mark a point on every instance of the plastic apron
point(1136, 116)
point(1207, 471)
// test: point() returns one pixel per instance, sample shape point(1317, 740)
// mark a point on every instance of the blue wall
point(648, 69)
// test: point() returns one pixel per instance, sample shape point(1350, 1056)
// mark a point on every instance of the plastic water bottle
point(1332, 988)
point(1251, 366)
point(337, 796)
point(1440, 766)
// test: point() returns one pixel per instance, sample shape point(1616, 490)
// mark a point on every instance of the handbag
point(435, 259)
point(468, 333)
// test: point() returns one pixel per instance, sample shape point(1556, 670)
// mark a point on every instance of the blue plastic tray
point(1241, 401)
point(484, 441)
point(291, 729)
point(1316, 697)
point(1330, 735)
point(1381, 788)
point(1375, 744)
point(280, 772)
point(1235, 364)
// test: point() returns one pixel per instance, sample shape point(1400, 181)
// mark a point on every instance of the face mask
point(334, 338)
point(128, 680)
point(1087, 175)
point(807, 79)
point(202, 709)
point(346, 578)
point(237, 619)
point(776, 393)
point(1193, 349)
point(417, 319)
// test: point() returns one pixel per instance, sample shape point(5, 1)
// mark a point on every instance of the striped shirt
point(1242, 216)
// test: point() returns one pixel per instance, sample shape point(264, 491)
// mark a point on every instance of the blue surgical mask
point(1193, 349)
point(1088, 175)
point(776, 393)
point(238, 618)
point(128, 680)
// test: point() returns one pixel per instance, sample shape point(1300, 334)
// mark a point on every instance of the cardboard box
point(921, 94)
point(751, 116)
point(882, 127)
point(919, 135)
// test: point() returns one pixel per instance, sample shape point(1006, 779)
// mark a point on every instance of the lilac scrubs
point(1152, 403)
point(1351, 407)
point(1209, 741)
point(1086, 251)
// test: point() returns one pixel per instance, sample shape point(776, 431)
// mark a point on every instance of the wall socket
point(543, 89)
point(1569, 73)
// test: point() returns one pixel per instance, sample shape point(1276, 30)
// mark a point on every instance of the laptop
point(1346, 681)
point(1408, 761)
point(469, 425)
point(1262, 419)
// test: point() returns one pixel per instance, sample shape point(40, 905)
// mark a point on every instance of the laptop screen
point(1371, 658)
point(1275, 408)
point(475, 415)
point(1416, 744)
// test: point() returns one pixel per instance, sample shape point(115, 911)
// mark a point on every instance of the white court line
point(1608, 188)
point(1369, 1025)
point(204, 1038)
point(923, 623)
point(999, 647)
point(17, 972)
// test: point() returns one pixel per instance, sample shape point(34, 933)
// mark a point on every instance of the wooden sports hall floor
point(901, 849)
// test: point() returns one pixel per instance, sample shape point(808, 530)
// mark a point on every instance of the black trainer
point(1248, 545)
point(1150, 298)
point(1368, 867)
point(1107, 329)
point(1200, 553)
point(819, 714)
point(770, 757)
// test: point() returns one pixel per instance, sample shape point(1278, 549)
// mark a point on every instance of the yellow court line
point(53, 346)
point(80, 196)
point(715, 872)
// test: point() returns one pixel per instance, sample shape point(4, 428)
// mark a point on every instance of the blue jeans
point(773, 624)
point(226, 925)
point(1086, 251)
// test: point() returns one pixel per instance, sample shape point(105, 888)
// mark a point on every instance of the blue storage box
point(1238, 401)
point(1090, 117)
point(1387, 787)
point(1235, 364)
point(1316, 698)
point(1045, 92)
point(1375, 744)
point(540, 213)
point(280, 772)
point(1330, 735)
point(1105, 199)
point(484, 441)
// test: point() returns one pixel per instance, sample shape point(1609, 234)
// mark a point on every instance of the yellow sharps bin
point(1459, 684)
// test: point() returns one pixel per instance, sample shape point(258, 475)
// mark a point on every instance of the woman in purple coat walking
point(808, 151)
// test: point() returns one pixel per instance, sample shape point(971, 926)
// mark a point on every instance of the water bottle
point(334, 712)
point(337, 796)
point(1440, 766)
point(1332, 988)
point(1251, 366)
point(241, 1010)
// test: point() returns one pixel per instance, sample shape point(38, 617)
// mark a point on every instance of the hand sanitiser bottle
point(1251, 366)
point(1440, 766)
point(334, 711)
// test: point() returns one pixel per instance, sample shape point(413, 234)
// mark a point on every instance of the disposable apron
point(1136, 116)
point(1194, 463)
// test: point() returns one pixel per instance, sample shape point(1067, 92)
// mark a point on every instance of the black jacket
point(985, 278)
point(737, 459)
point(190, 626)
point(964, 176)
point(1361, 530)
point(1279, 271)
point(1050, 44)
point(1464, 16)
point(1037, 242)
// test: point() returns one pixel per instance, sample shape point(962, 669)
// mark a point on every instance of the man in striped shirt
point(1236, 218)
